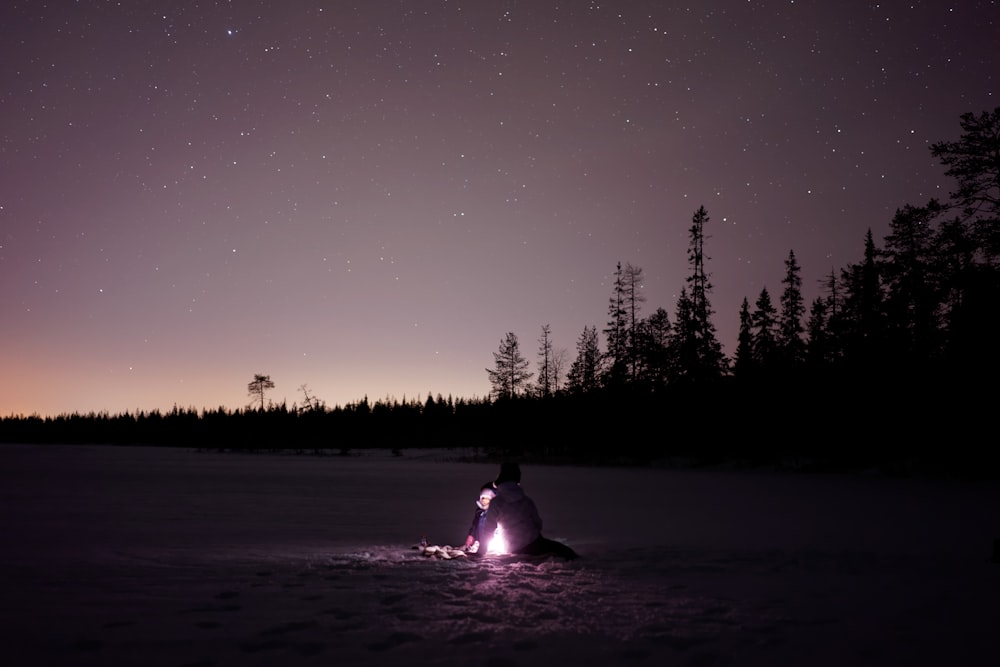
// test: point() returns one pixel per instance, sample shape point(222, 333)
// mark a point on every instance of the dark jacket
point(516, 513)
point(476, 529)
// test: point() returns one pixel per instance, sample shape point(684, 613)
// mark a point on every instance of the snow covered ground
point(142, 556)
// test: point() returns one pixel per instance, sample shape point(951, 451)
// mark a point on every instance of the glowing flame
point(498, 545)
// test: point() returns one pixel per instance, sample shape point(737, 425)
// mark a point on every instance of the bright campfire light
point(498, 545)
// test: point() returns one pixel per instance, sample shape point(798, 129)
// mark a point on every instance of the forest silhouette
point(892, 368)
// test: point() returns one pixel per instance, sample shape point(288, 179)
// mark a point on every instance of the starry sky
point(362, 198)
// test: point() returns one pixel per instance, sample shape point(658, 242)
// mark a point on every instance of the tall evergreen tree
point(634, 298)
point(834, 319)
point(743, 361)
point(764, 329)
point(653, 342)
point(965, 297)
point(863, 316)
point(912, 300)
point(695, 347)
point(683, 352)
point(972, 287)
point(616, 332)
point(790, 327)
point(819, 348)
point(510, 375)
point(585, 371)
point(547, 375)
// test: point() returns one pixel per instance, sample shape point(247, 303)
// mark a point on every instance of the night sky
point(364, 198)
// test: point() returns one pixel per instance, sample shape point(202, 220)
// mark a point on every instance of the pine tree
point(510, 375)
point(259, 385)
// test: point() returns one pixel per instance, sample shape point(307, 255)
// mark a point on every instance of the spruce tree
point(863, 319)
point(764, 330)
point(510, 374)
point(653, 343)
point(743, 361)
point(696, 349)
point(972, 240)
point(616, 332)
point(912, 298)
point(790, 327)
point(819, 341)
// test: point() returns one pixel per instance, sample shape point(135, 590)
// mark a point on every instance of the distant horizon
point(243, 408)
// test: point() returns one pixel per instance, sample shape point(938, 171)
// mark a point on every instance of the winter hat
point(487, 491)
point(509, 472)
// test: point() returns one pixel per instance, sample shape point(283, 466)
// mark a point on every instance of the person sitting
point(519, 519)
point(473, 540)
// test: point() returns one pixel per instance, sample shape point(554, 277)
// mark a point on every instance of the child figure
point(486, 494)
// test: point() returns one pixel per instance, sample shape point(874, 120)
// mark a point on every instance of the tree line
point(892, 364)
point(920, 306)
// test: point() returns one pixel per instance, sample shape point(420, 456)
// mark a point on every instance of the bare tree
point(310, 403)
point(559, 359)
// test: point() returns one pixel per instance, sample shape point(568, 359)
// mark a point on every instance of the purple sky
point(365, 199)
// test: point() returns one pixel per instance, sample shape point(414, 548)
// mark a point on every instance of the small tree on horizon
point(259, 385)
point(310, 403)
